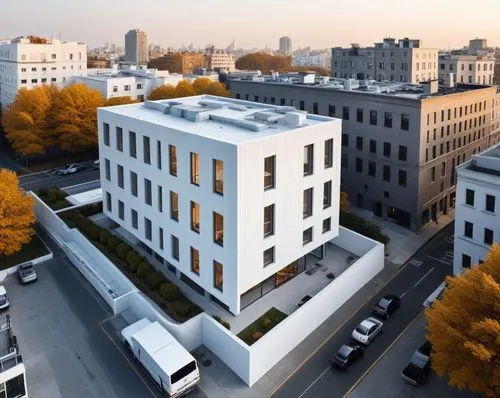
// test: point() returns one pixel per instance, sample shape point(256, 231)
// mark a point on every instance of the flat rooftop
point(369, 87)
point(487, 162)
point(220, 118)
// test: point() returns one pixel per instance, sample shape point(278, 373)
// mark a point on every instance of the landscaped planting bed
point(261, 326)
point(359, 225)
point(54, 197)
point(30, 251)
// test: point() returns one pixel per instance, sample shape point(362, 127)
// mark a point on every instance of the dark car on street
point(346, 355)
point(419, 367)
point(386, 306)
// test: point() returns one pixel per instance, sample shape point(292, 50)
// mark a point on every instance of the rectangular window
point(469, 197)
point(121, 210)
point(146, 150)
point(359, 165)
point(490, 203)
point(160, 238)
point(218, 275)
point(315, 108)
point(403, 153)
point(268, 256)
point(387, 173)
point(269, 172)
point(373, 118)
point(359, 115)
point(308, 159)
point(147, 192)
point(307, 206)
point(372, 169)
point(175, 247)
point(105, 130)
point(120, 176)
point(373, 146)
point(195, 261)
point(402, 178)
point(359, 143)
point(468, 229)
point(327, 194)
point(195, 217)
point(345, 112)
point(443, 169)
point(174, 206)
point(195, 168)
point(134, 219)
point(133, 183)
point(388, 119)
point(331, 110)
point(329, 153)
point(302, 105)
point(173, 160)
point(268, 220)
point(327, 225)
point(158, 154)
point(107, 169)
point(160, 198)
point(387, 149)
point(488, 236)
point(132, 144)
point(109, 205)
point(218, 166)
point(466, 261)
point(148, 229)
point(307, 236)
point(119, 139)
point(405, 122)
point(218, 228)
point(433, 174)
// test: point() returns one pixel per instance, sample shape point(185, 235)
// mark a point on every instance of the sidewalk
point(404, 243)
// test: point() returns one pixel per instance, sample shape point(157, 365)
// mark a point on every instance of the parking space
point(58, 321)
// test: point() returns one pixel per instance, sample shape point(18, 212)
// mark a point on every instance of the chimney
point(430, 87)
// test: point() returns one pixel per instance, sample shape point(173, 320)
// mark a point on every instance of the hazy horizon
point(318, 24)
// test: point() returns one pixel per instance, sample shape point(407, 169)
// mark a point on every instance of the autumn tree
point(16, 215)
point(464, 328)
point(166, 91)
point(201, 85)
point(264, 62)
point(120, 101)
point(25, 121)
point(75, 117)
point(184, 89)
point(345, 204)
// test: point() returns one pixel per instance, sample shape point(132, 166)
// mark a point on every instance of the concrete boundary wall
point(12, 270)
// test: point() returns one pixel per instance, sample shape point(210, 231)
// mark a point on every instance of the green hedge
point(359, 225)
point(54, 197)
point(261, 325)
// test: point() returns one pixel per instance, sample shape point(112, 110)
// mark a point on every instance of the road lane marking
point(382, 355)
point(83, 183)
point(422, 278)
point(132, 364)
point(32, 174)
point(440, 260)
point(315, 381)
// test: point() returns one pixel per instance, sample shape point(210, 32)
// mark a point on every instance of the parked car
point(386, 306)
point(435, 295)
point(96, 164)
point(419, 367)
point(4, 300)
point(27, 273)
point(346, 355)
point(68, 169)
point(367, 330)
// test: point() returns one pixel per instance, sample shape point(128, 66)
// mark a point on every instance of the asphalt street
point(414, 283)
point(47, 179)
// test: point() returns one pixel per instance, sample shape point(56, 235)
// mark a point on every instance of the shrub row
point(55, 198)
point(226, 324)
point(357, 224)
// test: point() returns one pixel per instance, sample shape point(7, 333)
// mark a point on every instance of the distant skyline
point(318, 23)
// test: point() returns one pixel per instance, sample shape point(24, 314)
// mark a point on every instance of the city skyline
point(95, 26)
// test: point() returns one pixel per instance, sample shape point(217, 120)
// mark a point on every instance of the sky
point(255, 23)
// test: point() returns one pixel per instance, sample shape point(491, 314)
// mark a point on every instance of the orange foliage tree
point(16, 215)
point(264, 62)
point(75, 117)
point(345, 204)
point(120, 101)
point(464, 328)
point(184, 88)
point(166, 91)
point(25, 121)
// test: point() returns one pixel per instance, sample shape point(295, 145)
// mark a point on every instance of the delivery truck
point(171, 366)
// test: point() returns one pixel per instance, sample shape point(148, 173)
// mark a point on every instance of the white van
point(171, 366)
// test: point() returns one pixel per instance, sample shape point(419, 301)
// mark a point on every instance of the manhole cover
point(207, 362)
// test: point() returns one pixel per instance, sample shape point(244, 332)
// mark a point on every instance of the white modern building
point(27, 63)
point(474, 69)
point(219, 60)
point(477, 213)
point(230, 194)
point(317, 59)
point(285, 45)
point(405, 61)
point(136, 83)
point(136, 47)
point(12, 369)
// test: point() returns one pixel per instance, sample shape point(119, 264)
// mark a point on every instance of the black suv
point(386, 306)
point(346, 355)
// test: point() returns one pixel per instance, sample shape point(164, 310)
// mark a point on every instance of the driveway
point(58, 321)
